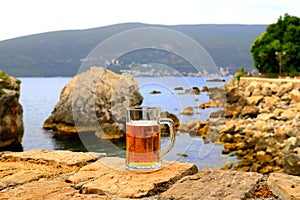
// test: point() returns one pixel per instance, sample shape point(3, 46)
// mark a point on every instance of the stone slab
point(54, 157)
point(213, 184)
point(286, 187)
point(108, 176)
point(13, 173)
point(19, 178)
point(47, 189)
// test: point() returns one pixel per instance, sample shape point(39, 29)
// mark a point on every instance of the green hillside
point(59, 53)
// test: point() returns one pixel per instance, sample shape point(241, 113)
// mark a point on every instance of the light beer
point(142, 143)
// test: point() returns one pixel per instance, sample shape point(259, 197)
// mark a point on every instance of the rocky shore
point(60, 175)
point(260, 124)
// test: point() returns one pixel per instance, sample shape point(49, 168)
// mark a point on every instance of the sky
point(26, 17)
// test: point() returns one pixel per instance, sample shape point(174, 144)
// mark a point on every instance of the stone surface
point(292, 164)
point(207, 105)
point(45, 189)
point(36, 190)
point(213, 184)
point(250, 111)
point(11, 111)
point(54, 157)
point(49, 177)
point(109, 176)
point(286, 187)
point(92, 98)
point(14, 173)
point(254, 100)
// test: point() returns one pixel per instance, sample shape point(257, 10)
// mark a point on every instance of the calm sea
point(39, 96)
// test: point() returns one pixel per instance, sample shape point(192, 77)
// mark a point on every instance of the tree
point(278, 49)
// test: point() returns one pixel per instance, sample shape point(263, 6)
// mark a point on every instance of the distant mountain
point(59, 53)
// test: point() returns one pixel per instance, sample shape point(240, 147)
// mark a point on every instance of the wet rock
point(207, 105)
point(203, 129)
point(183, 128)
point(196, 91)
point(92, 98)
point(227, 166)
point(188, 111)
point(186, 91)
point(164, 128)
point(218, 114)
point(194, 125)
point(182, 155)
point(205, 89)
point(178, 88)
point(155, 92)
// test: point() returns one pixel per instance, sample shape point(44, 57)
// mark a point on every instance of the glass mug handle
point(170, 124)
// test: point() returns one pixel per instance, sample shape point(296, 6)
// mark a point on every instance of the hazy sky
point(25, 17)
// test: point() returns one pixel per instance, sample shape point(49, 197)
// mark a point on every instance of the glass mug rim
point(143, 108)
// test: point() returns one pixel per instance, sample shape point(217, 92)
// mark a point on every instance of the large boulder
point(95, 100)
point(11, 112)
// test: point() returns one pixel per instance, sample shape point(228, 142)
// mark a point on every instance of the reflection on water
point(88, 142)
point(204, 155)
point(12, 147)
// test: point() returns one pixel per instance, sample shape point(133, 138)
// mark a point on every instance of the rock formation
point(259, 123)
point(11, 112)
point(262, 125)
point(188, 111)
point(95, 100)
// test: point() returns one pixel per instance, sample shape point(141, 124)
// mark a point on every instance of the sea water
point(39, 96)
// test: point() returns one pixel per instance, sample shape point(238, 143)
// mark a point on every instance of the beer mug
point(143, 142)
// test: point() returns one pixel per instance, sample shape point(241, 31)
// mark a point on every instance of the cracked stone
point(212, 184)
point(99, 178)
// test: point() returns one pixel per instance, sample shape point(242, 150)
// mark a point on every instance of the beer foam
point(142, 123)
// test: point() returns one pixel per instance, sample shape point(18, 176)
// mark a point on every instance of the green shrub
point(18, 81)
point(3, 75)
